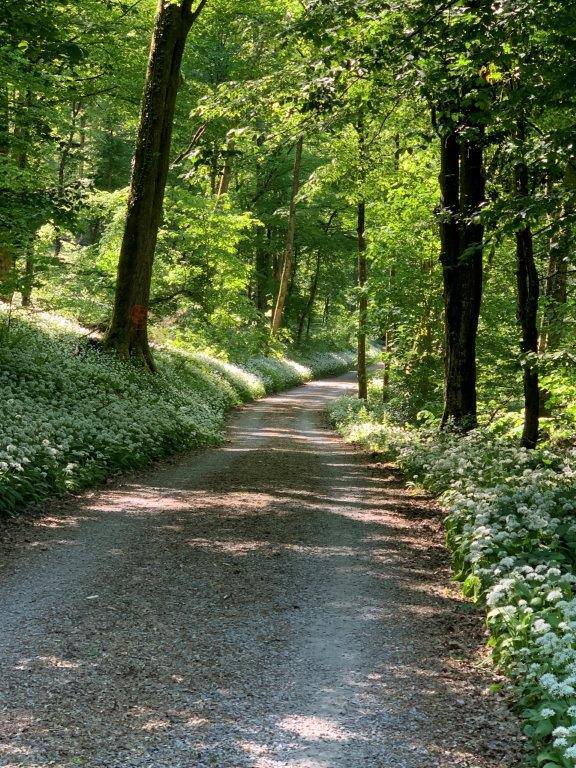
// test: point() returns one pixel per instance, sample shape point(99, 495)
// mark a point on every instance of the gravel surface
point(280, 602)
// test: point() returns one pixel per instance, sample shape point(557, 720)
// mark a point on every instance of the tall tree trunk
point(28, 278)
point(388, 335)
point(66, 147)
point(128, 332)
point(557, 277)
point(214, 167)
point(362, 302)
point(227, 170)
point(278, 314)
point(528, 291)
point(361, 265)
point(6, 249)
point(307, 311)
point(262, 275)
point(306, 318)
point(461, 235)
point(14, 239)
point(82, 144)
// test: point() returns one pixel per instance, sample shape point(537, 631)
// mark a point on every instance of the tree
point(128, 331)
point(528, 292)
point(361, 267)
point(289, 250)
point(461, 234)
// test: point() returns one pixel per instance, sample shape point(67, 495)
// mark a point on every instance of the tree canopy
point(450, 124)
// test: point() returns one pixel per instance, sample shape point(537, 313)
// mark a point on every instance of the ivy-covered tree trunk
point(528, 293)
point(286, 274)
point(128, 332)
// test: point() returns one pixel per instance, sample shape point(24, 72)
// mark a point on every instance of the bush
point(511, 527)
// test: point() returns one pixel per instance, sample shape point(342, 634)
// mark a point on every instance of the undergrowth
point(70, 414)
point(511, 528)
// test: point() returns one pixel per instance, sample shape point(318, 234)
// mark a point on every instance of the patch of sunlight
point(54, 662)
point(228, 547)
point(313, 728)
point(156, 724)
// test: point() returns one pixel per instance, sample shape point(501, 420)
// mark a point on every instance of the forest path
point(278, 602)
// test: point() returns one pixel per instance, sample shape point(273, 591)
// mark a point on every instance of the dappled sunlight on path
point(279, 602)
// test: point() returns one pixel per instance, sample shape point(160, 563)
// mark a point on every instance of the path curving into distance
point(278, 602)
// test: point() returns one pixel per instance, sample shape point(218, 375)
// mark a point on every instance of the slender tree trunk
point(214, 168)
point(307, 311)
point(387, 365)
point(461, 235)
point(128, 332)
point(6, 249)
point(82, 143)
point(361, 266)
point(224, 184)
point(528, 291)
point(449, 258)
point(557, 277)
point(277, 267)
point(278, 314)
point(28, 279)
point(309, 322)
point(362, 302)
point(29, 271)
point(262, 269)
point(66, 147)
point(13, 241)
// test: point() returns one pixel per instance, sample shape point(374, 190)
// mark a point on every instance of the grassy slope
point(71, 415)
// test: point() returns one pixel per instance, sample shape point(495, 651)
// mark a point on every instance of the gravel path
point(279, 602)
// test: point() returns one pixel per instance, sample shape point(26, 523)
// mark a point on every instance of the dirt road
point(278, 602)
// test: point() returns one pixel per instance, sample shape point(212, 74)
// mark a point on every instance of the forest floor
point(278, 602)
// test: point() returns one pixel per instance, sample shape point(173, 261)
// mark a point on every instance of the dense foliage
point(377, 91)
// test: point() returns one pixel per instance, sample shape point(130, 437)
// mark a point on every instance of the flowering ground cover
point(511, 528)
point(70, 415)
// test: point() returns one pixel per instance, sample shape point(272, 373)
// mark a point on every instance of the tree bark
point(224, 184)
point(278, 314)
point(66, 146)
point(557, 277)
point(28, 278)
point(6, 250)
point(307, 311)
point(362, 302)
point(528, 292)
point(262, 268)
point(361, 265)
point(461, 235)
point(388, 336)
point(128, 332)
